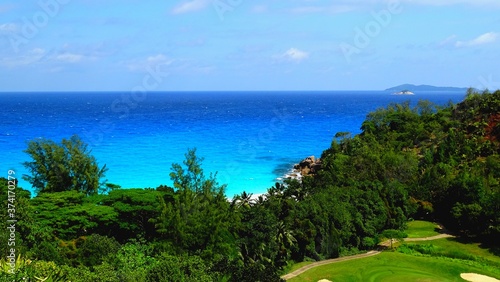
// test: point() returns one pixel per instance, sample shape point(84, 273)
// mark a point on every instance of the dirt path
point(369, 254)
point(440, 236)
point(328, 261)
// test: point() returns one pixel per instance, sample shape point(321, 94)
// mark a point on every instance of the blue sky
point(93, 45)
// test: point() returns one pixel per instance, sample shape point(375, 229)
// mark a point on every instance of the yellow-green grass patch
point(397, 267)
point(421, 229)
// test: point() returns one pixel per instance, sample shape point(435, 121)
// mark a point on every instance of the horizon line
point(220, 91)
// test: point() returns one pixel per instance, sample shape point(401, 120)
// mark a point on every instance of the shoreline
point(306, 167)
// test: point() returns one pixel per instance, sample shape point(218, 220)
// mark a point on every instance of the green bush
point(406, 249)
point(460, 255)
point(133, 261)
point(47, 251)
point(425, 249)
point(27, 270)
point(368, 242)
point(96, 248)
point(47, 270)
point(179, 269)
point(106, 273)
point(432, 250)
point(81, 273)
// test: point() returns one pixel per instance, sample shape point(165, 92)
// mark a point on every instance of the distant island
point(416, 88)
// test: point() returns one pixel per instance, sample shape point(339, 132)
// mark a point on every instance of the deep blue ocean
point(250, 139)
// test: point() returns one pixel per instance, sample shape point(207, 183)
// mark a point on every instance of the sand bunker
point(473, 277)
point(324, 280)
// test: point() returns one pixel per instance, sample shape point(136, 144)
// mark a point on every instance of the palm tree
point(285, 240)
point(243, 200)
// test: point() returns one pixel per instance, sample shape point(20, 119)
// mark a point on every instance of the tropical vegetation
point(418, 161)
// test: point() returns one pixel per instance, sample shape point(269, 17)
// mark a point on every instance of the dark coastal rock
point(316, 167)
point(308, 166)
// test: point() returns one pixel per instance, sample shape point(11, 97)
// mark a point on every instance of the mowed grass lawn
point(396, 266)
point(421, 229)
point(392, 266)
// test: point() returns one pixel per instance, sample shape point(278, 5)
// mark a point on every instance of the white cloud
point(38, 56)
point(190, 6)
point(37, 52)
point(486, 38)
point(343, 6)
point(488, 3)
point(29, 58)
point(69, 58)
point(335, 9)
point(151, 61)
point(191, 67)
point(7, 28)
point(260, 9)
point(308, 9)
point(448, 41)
point(296, 55)
point(158, 59)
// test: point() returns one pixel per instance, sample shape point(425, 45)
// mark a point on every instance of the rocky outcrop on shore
point(308, 166)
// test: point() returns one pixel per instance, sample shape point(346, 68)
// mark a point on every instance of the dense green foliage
point(448, 159)
point(409, 162)
point(63, 167)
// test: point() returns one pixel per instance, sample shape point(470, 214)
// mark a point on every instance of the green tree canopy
point(63, 167)
point(198, 218)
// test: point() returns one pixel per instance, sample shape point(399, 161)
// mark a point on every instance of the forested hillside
point(408, 162)
point(447, 159)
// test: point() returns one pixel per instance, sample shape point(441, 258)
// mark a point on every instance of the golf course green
point(451, 258)
point(421, 228)
point(392, 266)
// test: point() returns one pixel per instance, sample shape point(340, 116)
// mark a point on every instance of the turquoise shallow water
point(249, 138)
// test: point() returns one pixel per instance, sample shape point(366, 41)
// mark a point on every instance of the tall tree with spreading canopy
point(199, 217)
point(63, 167)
